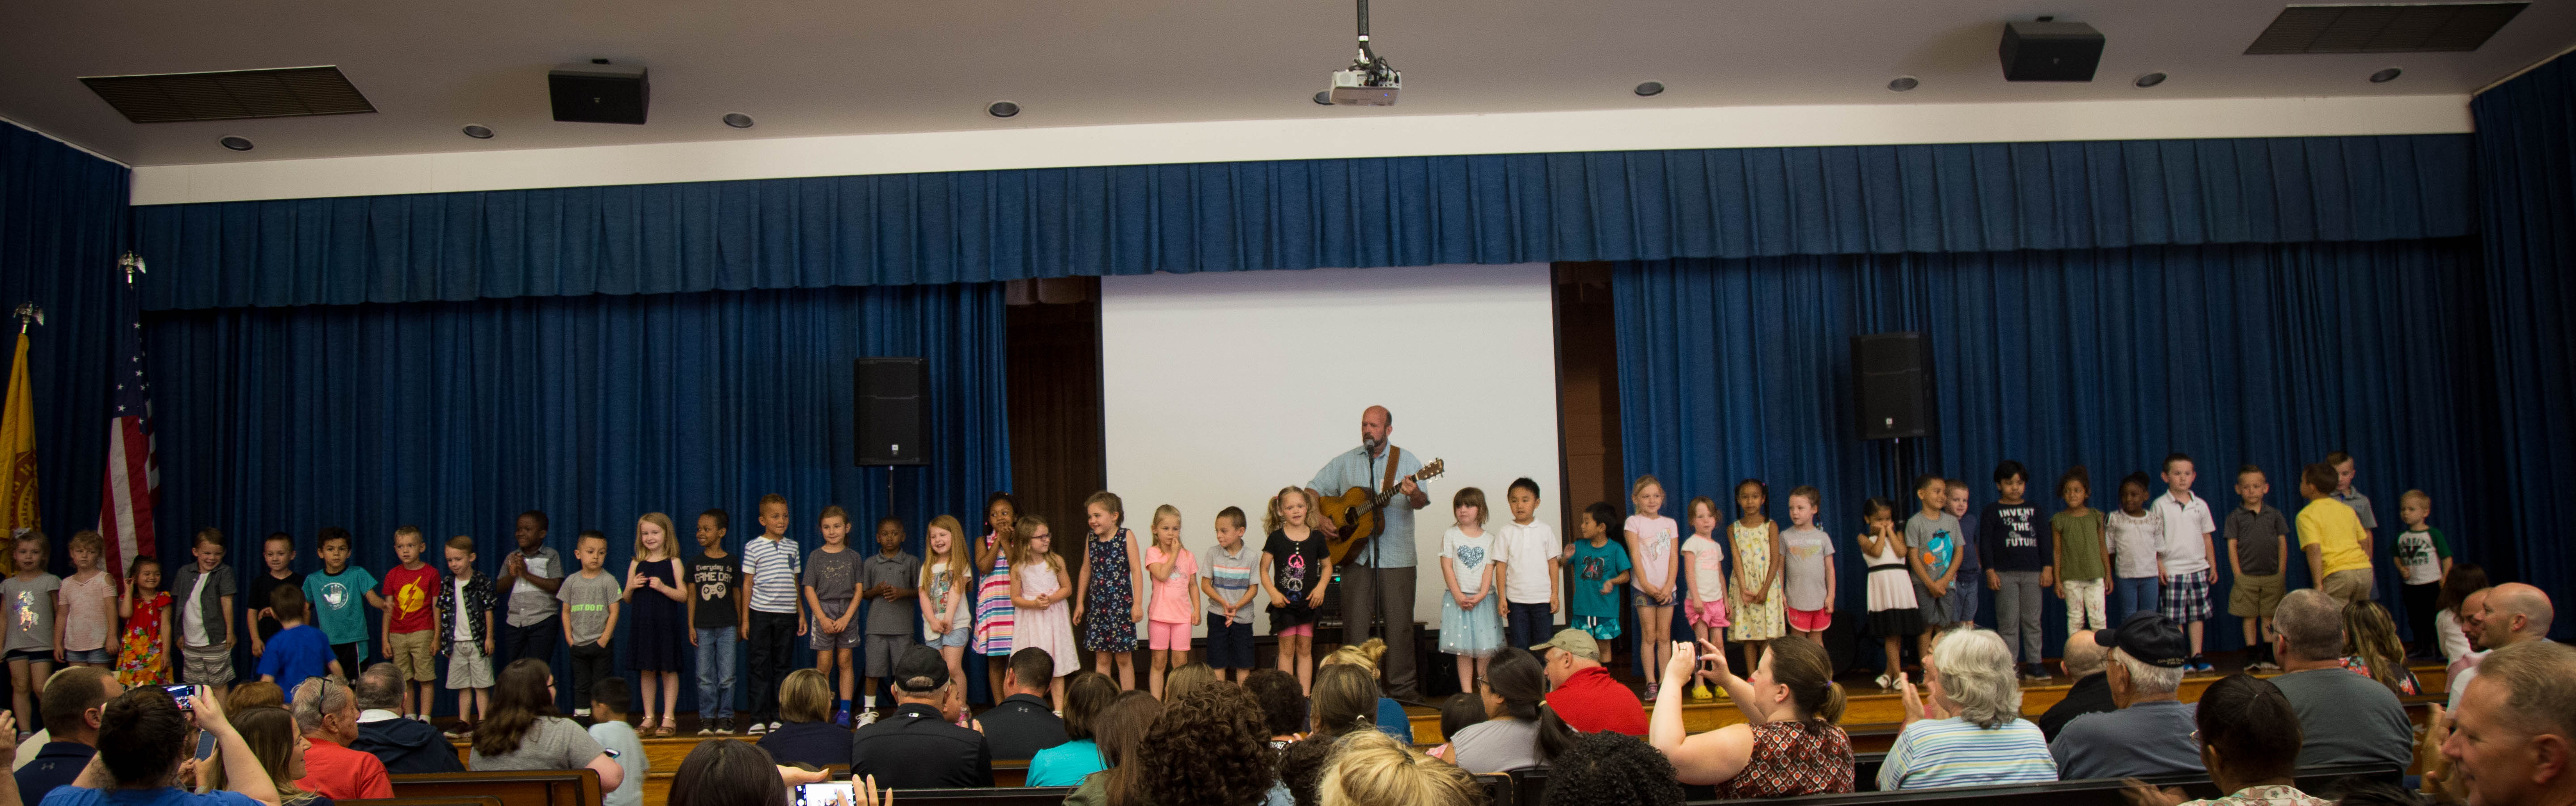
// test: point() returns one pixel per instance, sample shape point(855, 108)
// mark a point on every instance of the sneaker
point(774, 725)
point(462, 732)
point(867, 716)
point(1886, 683)
point(706, 727)
point(724, 726)
point(1653, 689)
point(583, 713)
point(757, 728)
point(841, 717)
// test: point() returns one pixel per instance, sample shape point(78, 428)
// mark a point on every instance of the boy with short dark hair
point(1228, 586)
point(2187, 549)
point(277, 553)
point(775, 613)
point(1599, 569)
point(715, 621)
point(297, 651)
point(204, 598)
point(2258, 553)
point(590, 598)
point(2336, 542)
point(609, 702)
point(1964, 598)
point(2020, 562)
point(339, 594)
point(890, 578)
point(465, 603)
point(1532, 557)
point(411, 622)
point(1933, 533)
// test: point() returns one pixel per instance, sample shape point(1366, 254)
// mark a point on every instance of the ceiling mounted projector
point(1370, 81)
point(598, 92)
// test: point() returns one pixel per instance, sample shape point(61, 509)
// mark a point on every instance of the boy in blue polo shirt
point(298, 650)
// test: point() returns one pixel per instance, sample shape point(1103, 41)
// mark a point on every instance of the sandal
point(665, 729)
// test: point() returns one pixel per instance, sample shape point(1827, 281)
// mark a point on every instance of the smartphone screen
point(185, 695)
point(205, 745)
point(828, 793)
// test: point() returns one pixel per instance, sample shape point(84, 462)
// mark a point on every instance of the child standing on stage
point(1599, 569)
point(1652, 539)
point(205, 615)
point(1038, 617)
point(1704, 561)
point(87, 601)
point(770, 565)
point(2423, 557)
point(590, 603)
point(1933, 534)
point(1756, 616)
point(1175, 607)
point(2083, 560)
point(892, 578)
point(1893, 613)
point(2258, 548)
point(2017, 564)
point(2188, 546)
point(1106, 588)
point(1808, 567)
point(338, 595)
point(2135, 535)
point(145, 641)
point(715, 621)
point(945, 577)
point(653, 594)
point(29, 599)
point(1963, 598)
point(1228, 586)
point(304, 652)
point(1471, 625)
point(465, 603)
point(1531, 569)
point(830, 588)
point(1295, 570)
point(993, 609)
point(411, 625)
point(278, 553)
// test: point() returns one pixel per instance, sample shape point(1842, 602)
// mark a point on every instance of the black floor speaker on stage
point(1892, 379)
point(893, 411)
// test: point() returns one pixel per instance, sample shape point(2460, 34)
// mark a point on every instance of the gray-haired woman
point(1971, 732)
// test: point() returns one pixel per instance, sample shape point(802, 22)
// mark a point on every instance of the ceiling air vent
point(285, 92)
point(2384, 28)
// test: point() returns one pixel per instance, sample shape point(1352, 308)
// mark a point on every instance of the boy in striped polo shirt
point(1228, 586)
point(776, 615)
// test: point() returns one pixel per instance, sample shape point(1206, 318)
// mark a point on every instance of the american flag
point(133, 481)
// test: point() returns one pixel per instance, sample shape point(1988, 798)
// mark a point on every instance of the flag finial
point(28, 313)
point(132, 264)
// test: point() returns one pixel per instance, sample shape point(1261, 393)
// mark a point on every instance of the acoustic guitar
point(1356, 513)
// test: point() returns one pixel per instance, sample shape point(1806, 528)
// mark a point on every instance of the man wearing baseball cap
point(919, 747)
point(1582, 692)
point(2150, 734)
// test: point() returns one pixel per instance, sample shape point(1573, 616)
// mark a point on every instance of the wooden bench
point(511, 788)
point(485, 800)
point(1529, 788)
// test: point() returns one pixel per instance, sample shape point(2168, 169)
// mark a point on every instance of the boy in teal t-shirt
point(339, 594)
point(1600, 567)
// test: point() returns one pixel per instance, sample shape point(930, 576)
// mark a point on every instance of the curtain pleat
point(62, 224)
point(2526, 175)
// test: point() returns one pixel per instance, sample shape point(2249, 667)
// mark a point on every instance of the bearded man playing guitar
point(1382, 570)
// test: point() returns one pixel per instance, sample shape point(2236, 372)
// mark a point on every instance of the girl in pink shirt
point(1175, 608)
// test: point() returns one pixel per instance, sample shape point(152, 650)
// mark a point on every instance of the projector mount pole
point(1368, 63)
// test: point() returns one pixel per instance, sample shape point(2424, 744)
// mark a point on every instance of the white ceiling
point(806, 68)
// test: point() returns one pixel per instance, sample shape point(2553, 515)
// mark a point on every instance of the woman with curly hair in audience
point(1207, 748)
point(143, 737)
point(1120, 729)
point(1789, 744)
point(1616, 769)
point(1368, 768)
point(1971, 733)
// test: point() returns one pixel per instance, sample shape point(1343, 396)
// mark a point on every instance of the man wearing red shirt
point(1582, 692)
point(327, 712)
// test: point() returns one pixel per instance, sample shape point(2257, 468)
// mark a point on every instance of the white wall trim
point(1318, 138)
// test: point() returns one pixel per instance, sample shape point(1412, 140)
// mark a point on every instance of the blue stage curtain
point(62, 224)
point(2111, 358)
point(1411, 211)
point(2526, 145)
point(596, 409)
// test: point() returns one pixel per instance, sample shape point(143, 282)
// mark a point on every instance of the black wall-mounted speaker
point(893, 410)
point(2050, 51)
point(598, 93)
point(1892, 379)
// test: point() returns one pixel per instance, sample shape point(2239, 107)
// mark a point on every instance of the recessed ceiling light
point(235, 143)
point(2385, 76)
point(1323, 97)
point(1650, 89)
point(1002, 109)
point(737, 120)
point(1904, 84)
point(478, 132)
point(2151, 79)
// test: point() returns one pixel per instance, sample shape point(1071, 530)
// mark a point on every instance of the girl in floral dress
point(145, 608)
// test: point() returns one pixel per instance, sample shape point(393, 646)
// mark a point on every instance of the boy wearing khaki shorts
point(2258, 548)
point(465, 605)
point(411, 623)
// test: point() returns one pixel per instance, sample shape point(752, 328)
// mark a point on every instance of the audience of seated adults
point(142, 739)
point(1120, 729)
point(279, 743)
point(1086, 695)
point(2084, 661)
point(1390, 714)
point(1788, 744)
point(1023, 723)
point(2510, 614)
point(2150, 733)
point(2248, 738)
point(920, 746)
point(74, 700)
point(1515, 689)
point(523, 732)
point(1971, 732)
point(2513, 739)
point(404, 745)
point(806, 733)
point(1582, 692)
point(327, 712)
point(2371, 648)
point(2348, 719)
point(1369, 768)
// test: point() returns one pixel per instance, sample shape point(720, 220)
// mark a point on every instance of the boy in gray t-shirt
point(892, 579)
point(1934, 536)
point(590, 598)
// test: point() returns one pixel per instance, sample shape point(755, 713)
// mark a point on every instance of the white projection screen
point(1218, 389)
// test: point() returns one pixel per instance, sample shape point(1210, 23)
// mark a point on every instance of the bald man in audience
point(2091, 694)
point(2347, 719)
point(2514, 740)
point(2512, 613)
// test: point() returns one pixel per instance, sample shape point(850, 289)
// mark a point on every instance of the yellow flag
point(18, 449)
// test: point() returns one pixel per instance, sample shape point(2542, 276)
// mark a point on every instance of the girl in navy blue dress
point(1106, 588)
point(654, 595)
